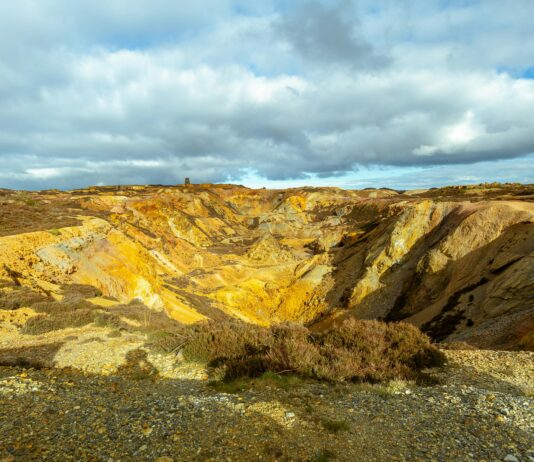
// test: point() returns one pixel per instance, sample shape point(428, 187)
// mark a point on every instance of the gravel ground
point(63, 415)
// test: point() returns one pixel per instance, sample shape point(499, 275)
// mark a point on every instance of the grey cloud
point(210, 129)
point(457, 34)
point(328, 34)
point(75, 111)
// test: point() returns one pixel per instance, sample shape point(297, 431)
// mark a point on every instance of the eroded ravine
point(458, 263)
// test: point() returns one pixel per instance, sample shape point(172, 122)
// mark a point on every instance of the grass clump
point(284, 381)
point(334, 426)
point(25, 198)
point(386, 389)
point(353, 351)
point(231, 386)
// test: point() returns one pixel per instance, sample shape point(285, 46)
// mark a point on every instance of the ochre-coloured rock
point(458, 261)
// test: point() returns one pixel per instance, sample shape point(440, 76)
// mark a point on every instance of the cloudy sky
point(266, 92)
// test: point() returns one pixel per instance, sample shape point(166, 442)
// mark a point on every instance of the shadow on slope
point(465, 296)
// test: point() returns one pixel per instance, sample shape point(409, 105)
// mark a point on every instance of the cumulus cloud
point(328, 35)
point(105, 92)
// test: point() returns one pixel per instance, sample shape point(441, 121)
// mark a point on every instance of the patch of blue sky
point(519, 170)
point(523, 73)
point(528, 73)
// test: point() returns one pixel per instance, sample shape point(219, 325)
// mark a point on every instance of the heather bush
point(58, 308)
point(19, 297)
point(214, 342)
point(80, 291)
point(353, 351)
point(75, 310)
point(335, 426)
point(42, 323)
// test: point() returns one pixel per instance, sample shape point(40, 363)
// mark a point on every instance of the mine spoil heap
point(458, 262)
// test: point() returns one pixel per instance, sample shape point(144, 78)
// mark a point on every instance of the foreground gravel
point(63, 415)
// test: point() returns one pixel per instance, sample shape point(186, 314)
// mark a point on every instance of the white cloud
point(46, 173)
point(455, 137)
point(109, 93)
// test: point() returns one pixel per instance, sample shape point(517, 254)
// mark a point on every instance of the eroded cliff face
point(458, 262)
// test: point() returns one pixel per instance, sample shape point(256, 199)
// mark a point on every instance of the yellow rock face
point(457, 262)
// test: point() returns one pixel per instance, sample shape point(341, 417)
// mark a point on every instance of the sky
point(275, 93)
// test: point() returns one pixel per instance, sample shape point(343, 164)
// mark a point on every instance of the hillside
point(457, 261)
point(101, 288)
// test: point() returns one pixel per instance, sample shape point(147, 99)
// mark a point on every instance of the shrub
point(70, 312)
point(75, 311)
point(213, 342)
point(166, 341)
point(149, 320)
point(353, 351)
point(23, 363)
point(25, 198)
point(19, 297)
point(42, 323)
point(80, 291)
point(58, 308)
point(107, 319)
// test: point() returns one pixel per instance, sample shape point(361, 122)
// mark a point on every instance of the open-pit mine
point(457, 262)
point(217, 322)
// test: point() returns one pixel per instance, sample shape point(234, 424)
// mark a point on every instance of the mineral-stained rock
point(458, 262)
